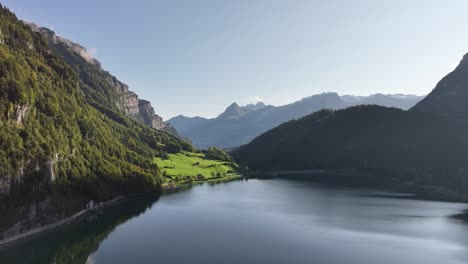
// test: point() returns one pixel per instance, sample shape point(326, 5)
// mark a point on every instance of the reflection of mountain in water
point(462, 217)
point(75, 243)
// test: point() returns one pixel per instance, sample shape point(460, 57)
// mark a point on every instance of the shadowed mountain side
point(449, 97)
point(81, 240)
point(416, 148)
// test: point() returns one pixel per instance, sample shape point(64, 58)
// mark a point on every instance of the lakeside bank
point(353, 177)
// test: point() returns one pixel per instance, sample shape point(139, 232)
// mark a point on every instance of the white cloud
point(255, 99)
point(88, 54)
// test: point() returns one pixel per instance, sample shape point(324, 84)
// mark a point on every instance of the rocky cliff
point(120, 96)
point(66, 136)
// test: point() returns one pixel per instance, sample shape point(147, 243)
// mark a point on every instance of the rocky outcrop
point(74, 47)
point(34, 208)
point(147, 116)
point(20, 113)
point(51, 168)
point(120, 96)
point(2, 41)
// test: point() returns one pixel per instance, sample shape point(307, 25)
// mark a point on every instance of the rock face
point(58, 40)
point(34, 213)
point(20, 113)
point(147, 116)
point(119, 94)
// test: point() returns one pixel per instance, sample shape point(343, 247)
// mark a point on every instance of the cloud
point(88, 54)
point(255, 99)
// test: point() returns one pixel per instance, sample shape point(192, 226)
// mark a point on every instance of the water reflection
point(462, 217)
point(75, 244)
point(261, 221)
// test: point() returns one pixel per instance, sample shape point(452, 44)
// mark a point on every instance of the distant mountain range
point(238, 125)
point(426, 146)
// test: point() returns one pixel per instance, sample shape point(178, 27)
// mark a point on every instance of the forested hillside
point(61, 142)
point(424, 146)
point(101, 89)
point(415, 147)
point(239, 125)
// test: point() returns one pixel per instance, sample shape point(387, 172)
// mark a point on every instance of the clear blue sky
point(195, 57)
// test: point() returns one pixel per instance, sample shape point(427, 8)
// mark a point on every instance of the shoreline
point(435, 193)
point(185, 184)
point(66, 221)
point(91, 211)
point(424, 191)
point(277, 173)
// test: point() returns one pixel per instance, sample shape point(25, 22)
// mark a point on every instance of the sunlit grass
point(189, 166)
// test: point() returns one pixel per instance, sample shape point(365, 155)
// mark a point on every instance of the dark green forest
point(424, 146)
point(60, 136)
point(411, 146)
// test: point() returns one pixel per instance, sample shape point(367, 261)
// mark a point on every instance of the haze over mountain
point(426, 146)
point(238, 125)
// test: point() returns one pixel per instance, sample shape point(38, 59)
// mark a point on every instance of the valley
point(375, 171)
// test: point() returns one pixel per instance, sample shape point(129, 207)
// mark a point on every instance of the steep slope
point(449, 97)
point(414, 147)
point(103, 89)
point(59, 148)
point(426, 146)
point(239, 125)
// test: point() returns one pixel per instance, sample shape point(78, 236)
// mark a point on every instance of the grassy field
point(188, 166)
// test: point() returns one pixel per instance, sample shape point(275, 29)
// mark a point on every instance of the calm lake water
point(259, 221)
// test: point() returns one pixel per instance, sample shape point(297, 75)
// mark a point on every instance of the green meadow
point(190, 166)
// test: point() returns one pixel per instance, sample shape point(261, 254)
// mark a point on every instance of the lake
point(259, 221)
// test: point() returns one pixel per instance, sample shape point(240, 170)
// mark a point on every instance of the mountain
point(448, 98)
point(238, 125)
point(184, 123)
point(67, 134)
point(256, 106)
point(426, 146)
point(233, 111)
point(117, 94)
point(402, 101)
